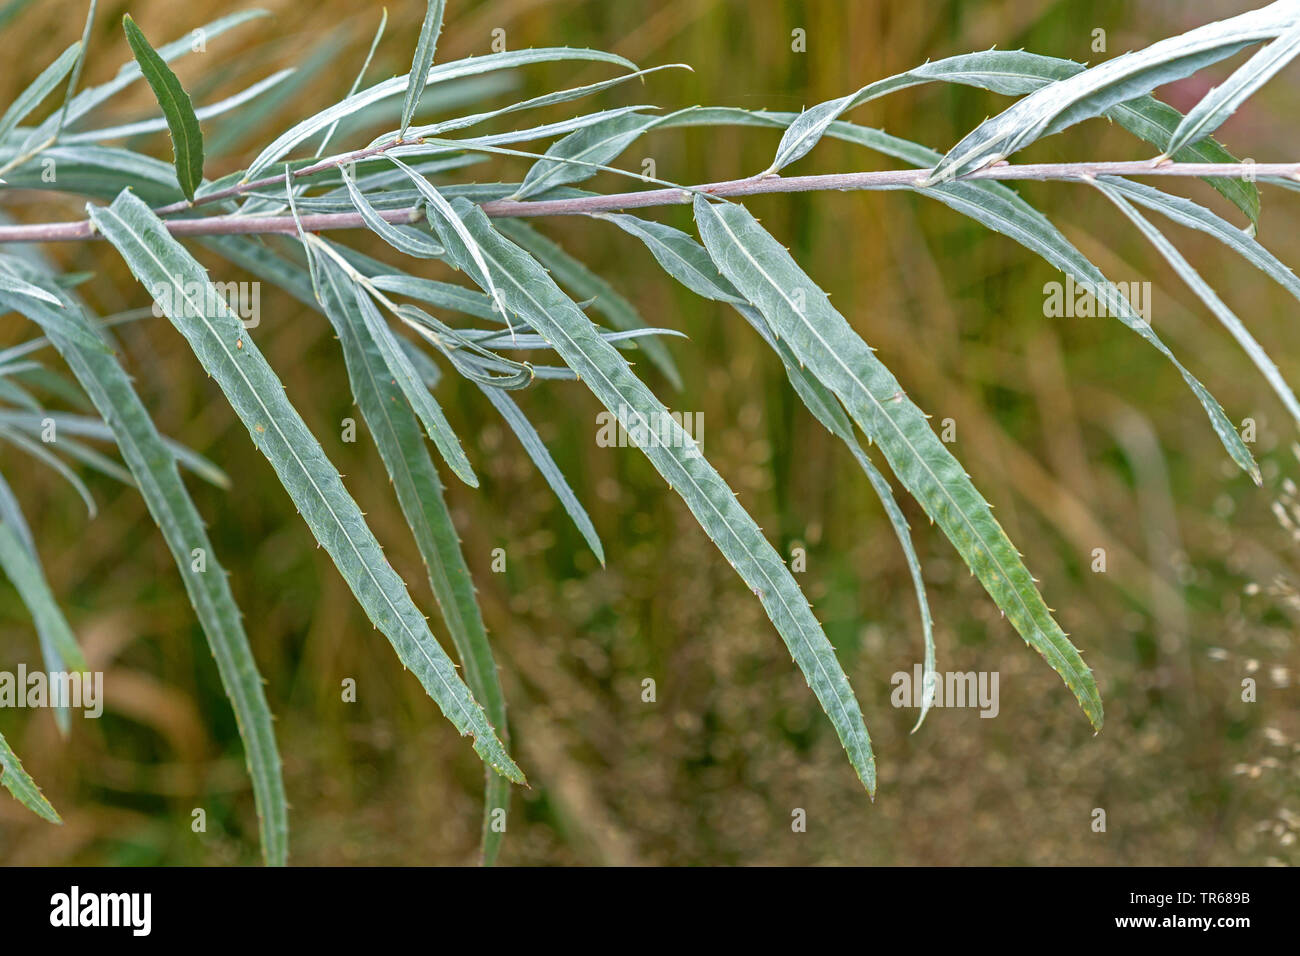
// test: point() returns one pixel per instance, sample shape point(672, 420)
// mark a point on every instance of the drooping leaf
point(687, 261)
point(801, 314)
point(1267, 367)
point(187, 138)
point(24, 572)
point(419, 493)
point(527, 289)
point(532, 442)
point(585, 284)
point(227, 352)
point(153, 464)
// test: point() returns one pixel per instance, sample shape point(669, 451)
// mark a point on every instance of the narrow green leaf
point(41, 452)
point(1222, 101)
point(585, 284)
point(687, 261)
point(1004, 211)
point(800, 314)
point(410, 242)
point(419, 493)
point(532, 442)
point(11, 283)
point(356, 83)
point(1212, 301)
point(227, 352)
point(40, 88)
point(472, 66)
point(1092, 92)
point(424, 50)
point(24, 572)
point(537, 102)
point(1195, 216)
point(408, 381)
point(187, 138)
point(15, 779)
point(445, 214)
point(527, 289)
point(152, 462)
point(596, 144)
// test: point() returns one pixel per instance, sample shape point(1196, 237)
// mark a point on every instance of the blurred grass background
point(1081, 435)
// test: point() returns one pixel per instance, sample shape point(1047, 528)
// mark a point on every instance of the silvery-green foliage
point(528, 314)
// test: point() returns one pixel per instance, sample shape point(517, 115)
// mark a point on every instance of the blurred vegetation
point(1081, 436)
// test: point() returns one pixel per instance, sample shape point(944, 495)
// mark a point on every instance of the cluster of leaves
point(526, 294)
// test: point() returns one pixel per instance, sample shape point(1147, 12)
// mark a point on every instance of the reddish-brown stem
point(588, 205)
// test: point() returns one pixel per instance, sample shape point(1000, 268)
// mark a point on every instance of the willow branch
point(613, 202)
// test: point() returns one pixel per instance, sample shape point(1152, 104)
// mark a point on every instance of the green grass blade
point(801, 314)
point(187, 138)
point(227, 352)
point(529, 290)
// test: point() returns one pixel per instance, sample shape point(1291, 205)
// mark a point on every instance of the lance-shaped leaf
point(1092, 92)
point(1004, 211)
point(408, 241)
point(88, 99)
point(1207, 295)
point(419, 493)
point(11, 283)
point(1222, 101)
point(424, 49)
point(536, 102)
point(228, 354)
point(153, 464)
point(187, 138)
point(687, 261)
point(40, 88)
point(596, 144)
point(471, 66)
point(585, 284)
point(15, 779)
point(408, 381)
point(801, 314)
point(1195, 216)
point(532, 442)
point(527, 289)
point(1012, 73)
point(21, 568)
